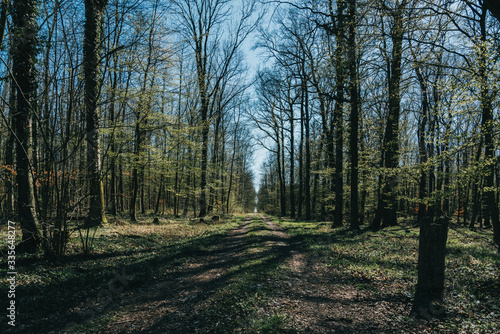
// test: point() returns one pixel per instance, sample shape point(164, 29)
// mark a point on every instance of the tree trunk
point(487, 132)
point(338, 116)
point(431, 264)
point(24, 59)
point(301, 161)
point(292, 164)
point(307, 179)
point(9, 155)
point(422, 124)
point(391, 141)
point(112, 144)
point(354, 117)
point(94, 14)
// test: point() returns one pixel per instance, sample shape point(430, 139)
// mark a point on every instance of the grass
point(385, 263)
point(123, 254)
point(127, 256)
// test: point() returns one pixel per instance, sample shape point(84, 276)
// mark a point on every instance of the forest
point(211, 156)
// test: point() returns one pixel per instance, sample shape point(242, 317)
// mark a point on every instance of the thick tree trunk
point(422, 186)
point(431, 265)
point(94, 13)
point(4, 7)
point(24, 59)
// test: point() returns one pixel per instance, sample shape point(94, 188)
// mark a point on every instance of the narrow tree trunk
point(292, 164)
point(158, 198)
point(121, 205)
point(354, 117)
point(301, 159)
point(135, 172)
point(307, 179)
point(112, 144)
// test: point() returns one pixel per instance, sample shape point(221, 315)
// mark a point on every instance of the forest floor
point(254, 275)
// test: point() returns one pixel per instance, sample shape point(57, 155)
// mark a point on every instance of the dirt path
point(313, 297)
point(166, 306)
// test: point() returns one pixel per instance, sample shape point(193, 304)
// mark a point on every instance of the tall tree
point(24, 52)
point(354, 116)
point(486, 98)
point(386, 210)
point(338, 117)
point(94, 14)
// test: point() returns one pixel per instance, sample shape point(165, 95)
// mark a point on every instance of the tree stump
point(431, 255)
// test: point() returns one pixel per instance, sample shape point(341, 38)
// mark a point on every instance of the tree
point(354, 113)
point(386, 210)
point(94, 14)
point(24, 52)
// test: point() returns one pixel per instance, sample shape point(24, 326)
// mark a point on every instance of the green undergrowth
point(124, 255)
point(385, 263)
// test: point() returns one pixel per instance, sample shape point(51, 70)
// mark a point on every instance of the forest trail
point(171, 305)
point(255, 261)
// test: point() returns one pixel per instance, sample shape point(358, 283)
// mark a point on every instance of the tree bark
point(431, 265)
point(24, 59)
point(354, 117)
point(487, 132)
point(94, 13)
point(338, 116)
point(9, 155)
point(387, 204)
point(292, 163)
point(422, 124)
